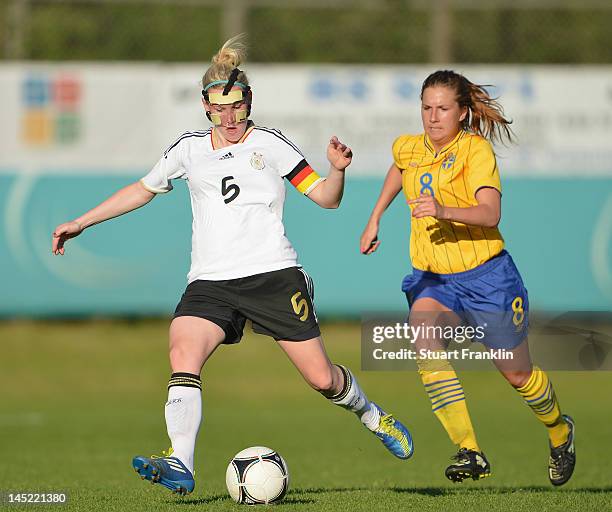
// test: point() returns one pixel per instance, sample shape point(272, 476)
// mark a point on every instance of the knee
point(517, 378)
point(184, 357)
point(192, 341)
point(323, 381)
point(180, 357)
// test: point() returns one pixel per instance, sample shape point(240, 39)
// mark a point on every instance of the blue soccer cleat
point(394, 435)
point(167, 471)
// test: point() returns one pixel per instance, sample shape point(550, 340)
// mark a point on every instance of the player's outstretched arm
point(123, 201)
point(393, 184)
point(328, 193)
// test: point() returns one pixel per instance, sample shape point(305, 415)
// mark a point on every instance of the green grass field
point(79, 399)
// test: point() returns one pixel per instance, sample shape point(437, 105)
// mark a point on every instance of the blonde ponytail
point(230, 56)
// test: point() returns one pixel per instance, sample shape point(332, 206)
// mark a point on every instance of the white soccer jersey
point(237, 197)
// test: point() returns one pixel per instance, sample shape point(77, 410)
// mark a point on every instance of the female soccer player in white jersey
point(243, 266)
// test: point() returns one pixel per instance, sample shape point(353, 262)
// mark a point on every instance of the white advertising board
point(118, 118)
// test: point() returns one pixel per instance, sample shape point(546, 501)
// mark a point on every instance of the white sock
point(354, 399)
point(183, 413)
point(371, 418)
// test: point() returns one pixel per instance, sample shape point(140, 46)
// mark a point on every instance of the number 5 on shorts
point(299, 305)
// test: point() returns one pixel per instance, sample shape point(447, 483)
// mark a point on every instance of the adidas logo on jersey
point(227, 156)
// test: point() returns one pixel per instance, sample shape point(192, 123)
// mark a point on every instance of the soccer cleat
point(394, 435)
point(167, 471)
point(563, 458)
point(468, 464)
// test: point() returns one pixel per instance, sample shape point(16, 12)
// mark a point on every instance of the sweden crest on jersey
point(448, 161)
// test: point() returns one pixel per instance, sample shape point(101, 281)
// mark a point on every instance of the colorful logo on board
point(51, 113)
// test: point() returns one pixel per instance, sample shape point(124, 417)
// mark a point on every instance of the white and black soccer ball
point(257, 476)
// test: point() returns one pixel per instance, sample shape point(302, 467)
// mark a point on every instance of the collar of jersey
point(430, 147)
point(248, 131)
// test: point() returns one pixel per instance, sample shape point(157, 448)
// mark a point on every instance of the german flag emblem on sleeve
point(303, 177)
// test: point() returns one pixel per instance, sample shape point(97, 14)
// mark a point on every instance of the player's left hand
point(426, 206)
point(339, 154)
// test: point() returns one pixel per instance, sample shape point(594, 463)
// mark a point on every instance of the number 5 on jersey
point(231, 191)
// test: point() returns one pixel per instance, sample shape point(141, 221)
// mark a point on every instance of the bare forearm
point(481, 215)
point(391, 187)
point(123, 201)
point(485, 214)
point(332, 189)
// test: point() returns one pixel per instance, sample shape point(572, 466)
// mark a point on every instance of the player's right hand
point(62, 233)
point(369, 239)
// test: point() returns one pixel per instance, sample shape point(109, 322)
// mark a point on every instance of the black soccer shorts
point(278, 303)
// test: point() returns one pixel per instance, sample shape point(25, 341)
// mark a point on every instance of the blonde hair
point(485, 114)
point(230, 56)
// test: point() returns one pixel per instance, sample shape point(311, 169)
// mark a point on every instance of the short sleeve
point(395, 150)
point(168, 168)
point(286, 154)
point(482, 168)
point(291, 164)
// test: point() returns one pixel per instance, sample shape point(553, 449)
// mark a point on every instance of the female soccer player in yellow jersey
point(462, 273)
point(242, 264)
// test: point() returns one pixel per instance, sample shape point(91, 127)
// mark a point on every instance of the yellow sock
point(539, 394)
point(448, 402)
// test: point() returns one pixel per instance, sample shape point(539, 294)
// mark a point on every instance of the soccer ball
point(257, 476)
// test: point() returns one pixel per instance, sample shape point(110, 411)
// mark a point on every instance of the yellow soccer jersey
point(453, 176)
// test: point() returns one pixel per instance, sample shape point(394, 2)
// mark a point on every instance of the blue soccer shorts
point(491, 296)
